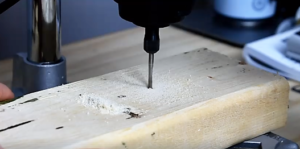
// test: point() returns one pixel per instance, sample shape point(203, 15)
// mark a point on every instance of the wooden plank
point(120, 50)
point(200, 99)
point(291, 129)
point(125, 49)
point(172, 41)
point(98, 46)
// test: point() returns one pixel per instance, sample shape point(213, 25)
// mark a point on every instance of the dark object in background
point(7, 4)
point(287, 8)
point(205, 21)
point(296, 88)
point(154, 13)
point(267, 141)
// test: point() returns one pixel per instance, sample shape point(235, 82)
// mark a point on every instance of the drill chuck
point(151, 40)
point(154, 13)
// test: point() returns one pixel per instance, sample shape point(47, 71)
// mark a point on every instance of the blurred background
point(90, 18)
point(243, 24)
point(81, 19)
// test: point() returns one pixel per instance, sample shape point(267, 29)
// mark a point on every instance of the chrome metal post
point(45, 31)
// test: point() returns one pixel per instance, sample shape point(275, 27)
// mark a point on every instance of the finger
point(5, 93)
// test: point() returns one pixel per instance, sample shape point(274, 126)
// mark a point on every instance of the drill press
point(43, 67)
point(152, 15)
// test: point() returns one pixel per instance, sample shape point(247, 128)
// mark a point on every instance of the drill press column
point(42, 67)
point(45, 31)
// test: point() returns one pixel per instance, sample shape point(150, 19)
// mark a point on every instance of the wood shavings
point(105, 106)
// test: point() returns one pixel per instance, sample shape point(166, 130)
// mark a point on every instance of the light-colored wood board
point(200, 99)
point(124, 49)
point(291, 130)
point(106, 43)
point(96, 44)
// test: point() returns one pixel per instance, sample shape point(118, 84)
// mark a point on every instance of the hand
point(5, 93)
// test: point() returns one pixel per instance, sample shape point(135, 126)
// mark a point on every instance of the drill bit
point(151, 46)
point(150, 75)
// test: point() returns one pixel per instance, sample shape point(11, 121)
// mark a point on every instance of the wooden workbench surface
point(121, 50)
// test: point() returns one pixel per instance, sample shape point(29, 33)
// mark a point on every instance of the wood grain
point(196, 97)
point(124, 49)
point(107, 54)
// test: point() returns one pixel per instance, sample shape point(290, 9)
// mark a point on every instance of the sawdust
point(167, 90)
point(173, 85)
point(105, 106)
